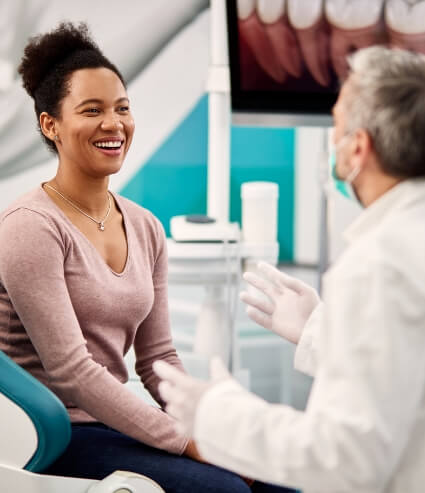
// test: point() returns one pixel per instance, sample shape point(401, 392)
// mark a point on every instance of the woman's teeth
point(110, 144)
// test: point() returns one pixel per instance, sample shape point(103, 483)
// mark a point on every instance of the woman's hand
point(192, 451)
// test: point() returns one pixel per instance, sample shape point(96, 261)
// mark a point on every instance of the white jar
point(259, 211)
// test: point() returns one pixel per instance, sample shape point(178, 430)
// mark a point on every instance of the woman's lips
point(109, 150)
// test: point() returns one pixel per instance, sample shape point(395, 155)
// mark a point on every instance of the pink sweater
point(68, 319)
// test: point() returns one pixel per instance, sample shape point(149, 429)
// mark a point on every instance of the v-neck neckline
point(78, 230)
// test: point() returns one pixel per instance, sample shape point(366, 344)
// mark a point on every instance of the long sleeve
point(33, 254)
point(153, 338)
point(365, 402)
point(306, 353)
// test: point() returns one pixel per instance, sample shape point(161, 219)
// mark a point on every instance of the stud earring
point(56, 138)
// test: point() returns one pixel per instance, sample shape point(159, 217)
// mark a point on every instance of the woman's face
point(95, 127)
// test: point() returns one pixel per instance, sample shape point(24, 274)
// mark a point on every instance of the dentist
point(364, 425)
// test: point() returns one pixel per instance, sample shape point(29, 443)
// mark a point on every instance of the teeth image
point(404, 16)
point(245, 8)
point(353, 15)
point(304, 13)
point(270, 12)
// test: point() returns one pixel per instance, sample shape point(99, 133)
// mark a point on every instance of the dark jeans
point(96, 450)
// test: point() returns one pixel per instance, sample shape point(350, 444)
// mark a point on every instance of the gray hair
point(386, 97)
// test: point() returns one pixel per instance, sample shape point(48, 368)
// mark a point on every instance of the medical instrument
point(201, 228)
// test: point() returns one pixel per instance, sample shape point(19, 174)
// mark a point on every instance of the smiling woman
point(83, 276)
point(95, 117)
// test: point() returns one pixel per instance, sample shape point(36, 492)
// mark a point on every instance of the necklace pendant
point(101, 226)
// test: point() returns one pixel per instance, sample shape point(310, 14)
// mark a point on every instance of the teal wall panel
point(174, 179)
point(266, 154)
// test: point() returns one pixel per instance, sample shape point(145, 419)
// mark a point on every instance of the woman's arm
point(32, 257)
point(153, 338)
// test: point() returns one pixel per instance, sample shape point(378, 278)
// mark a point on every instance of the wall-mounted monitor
point(287, 57)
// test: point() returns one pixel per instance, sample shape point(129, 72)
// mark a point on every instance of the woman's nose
point(111, 122)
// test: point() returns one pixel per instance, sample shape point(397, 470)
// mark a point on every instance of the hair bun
point(45, 51)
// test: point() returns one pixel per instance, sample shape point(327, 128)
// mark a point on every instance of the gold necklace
point(100, 223)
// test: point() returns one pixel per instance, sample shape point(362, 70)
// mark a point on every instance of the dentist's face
point(95, 127)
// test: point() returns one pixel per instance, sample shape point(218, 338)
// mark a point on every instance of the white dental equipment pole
point(210, 337)
point(218, 87)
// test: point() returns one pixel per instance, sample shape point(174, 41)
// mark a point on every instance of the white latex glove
point(287, 305)
point(182, 392)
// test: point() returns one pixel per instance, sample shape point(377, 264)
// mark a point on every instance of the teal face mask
point(343, 186)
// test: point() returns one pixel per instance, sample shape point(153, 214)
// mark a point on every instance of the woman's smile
point(109, 146)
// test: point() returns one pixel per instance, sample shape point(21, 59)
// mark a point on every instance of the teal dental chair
point(34, 431)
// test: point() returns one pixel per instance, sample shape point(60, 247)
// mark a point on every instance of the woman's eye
point(124, 109)
point(91, 110)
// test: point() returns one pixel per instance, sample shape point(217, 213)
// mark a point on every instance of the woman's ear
point(48, 126)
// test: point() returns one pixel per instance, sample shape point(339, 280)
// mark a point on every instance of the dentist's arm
point(363, 409)
point(288, 307)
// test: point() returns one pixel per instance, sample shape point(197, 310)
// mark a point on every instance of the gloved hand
point(182, 392)
point(288, 303)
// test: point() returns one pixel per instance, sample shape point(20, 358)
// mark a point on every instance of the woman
point(83, 276)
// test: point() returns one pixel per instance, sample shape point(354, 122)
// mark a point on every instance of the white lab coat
point(364, 426)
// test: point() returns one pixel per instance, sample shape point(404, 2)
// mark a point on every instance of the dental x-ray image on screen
point(289, 56)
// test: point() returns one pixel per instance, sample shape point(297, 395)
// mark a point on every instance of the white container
point(259, 211)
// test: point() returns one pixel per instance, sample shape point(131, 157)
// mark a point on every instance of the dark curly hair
point(49, 61)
